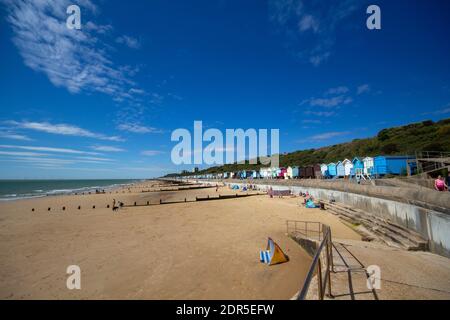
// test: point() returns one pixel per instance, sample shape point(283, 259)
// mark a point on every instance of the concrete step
point(389, 233)
point(411, 235)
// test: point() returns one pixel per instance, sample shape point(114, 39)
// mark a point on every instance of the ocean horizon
point(15, 189)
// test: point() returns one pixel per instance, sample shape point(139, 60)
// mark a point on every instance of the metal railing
point(307, 229)
point(322, 263)
point(429, 161)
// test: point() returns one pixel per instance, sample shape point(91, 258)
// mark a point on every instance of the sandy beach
point(193, 250)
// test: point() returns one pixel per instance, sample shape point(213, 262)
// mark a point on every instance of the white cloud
point(130, 42)
point(136, 128)
point(363, 89)
point(320, 113)
point(95, 159)
point(444, 110)
point(14, 136)
point(309, 27)
point(107, 149)
point(151, 152)
point(62, 129)
point(308, 22)
point(337, 90)
point(330, 102)
point(21, 153)
point(328, 135)
point(311, 121)
point(73, 59)
point(48, 149)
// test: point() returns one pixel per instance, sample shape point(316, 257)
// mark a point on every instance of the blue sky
point(101, 102)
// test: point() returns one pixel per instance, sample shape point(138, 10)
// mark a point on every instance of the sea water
point(20, 189)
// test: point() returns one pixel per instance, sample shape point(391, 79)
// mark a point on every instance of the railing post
point(319, 279)
point(328, 266)
point(331, 252)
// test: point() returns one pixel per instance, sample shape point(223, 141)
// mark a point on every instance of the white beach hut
point(348, 166)
point(324, 169)
point(292, 172)
point(368, 165)
point(264, 173)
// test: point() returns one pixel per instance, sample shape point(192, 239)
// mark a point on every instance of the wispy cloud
point(328, 135)
point(107, 149)
point(444, 110)
point(48, 149)
point(73, 59)
point(311, 121)
point(324, 136)
point(61, 129)
point(364, 88)
point(14, 136)
point(309, 27)
point(320, 113)
point(130, 42)
point(337, 90)
point(137, 128)
point(95, 159)
point(330, 102)
point(151, 152)
point(22, 153)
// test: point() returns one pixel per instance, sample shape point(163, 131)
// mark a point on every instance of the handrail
point(323, 280)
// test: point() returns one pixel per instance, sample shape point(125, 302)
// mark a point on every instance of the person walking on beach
point(439, 184)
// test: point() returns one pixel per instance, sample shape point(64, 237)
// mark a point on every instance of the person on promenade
point(439, 184)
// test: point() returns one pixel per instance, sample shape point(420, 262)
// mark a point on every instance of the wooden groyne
point(161, 202)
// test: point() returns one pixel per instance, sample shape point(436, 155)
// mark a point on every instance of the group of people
point(442, 185)
point(116, 206)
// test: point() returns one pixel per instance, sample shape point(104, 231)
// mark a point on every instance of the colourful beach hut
point(275, 172)
point(358, 166)
point(281, 173)
point(340, 170)
point(309, 172)
point(292, 172)
point(368, 165)
point(324, 170)
point(317, 171)
point(348, 166)
point(390, 165)
point(332, 170)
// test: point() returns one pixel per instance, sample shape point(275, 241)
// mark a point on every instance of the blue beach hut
point(390, 164)
point(340, 169)
point(332, 169)
point(358, 166)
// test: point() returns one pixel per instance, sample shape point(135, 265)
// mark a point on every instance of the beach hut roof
point(346, 161)
point(356, 159)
